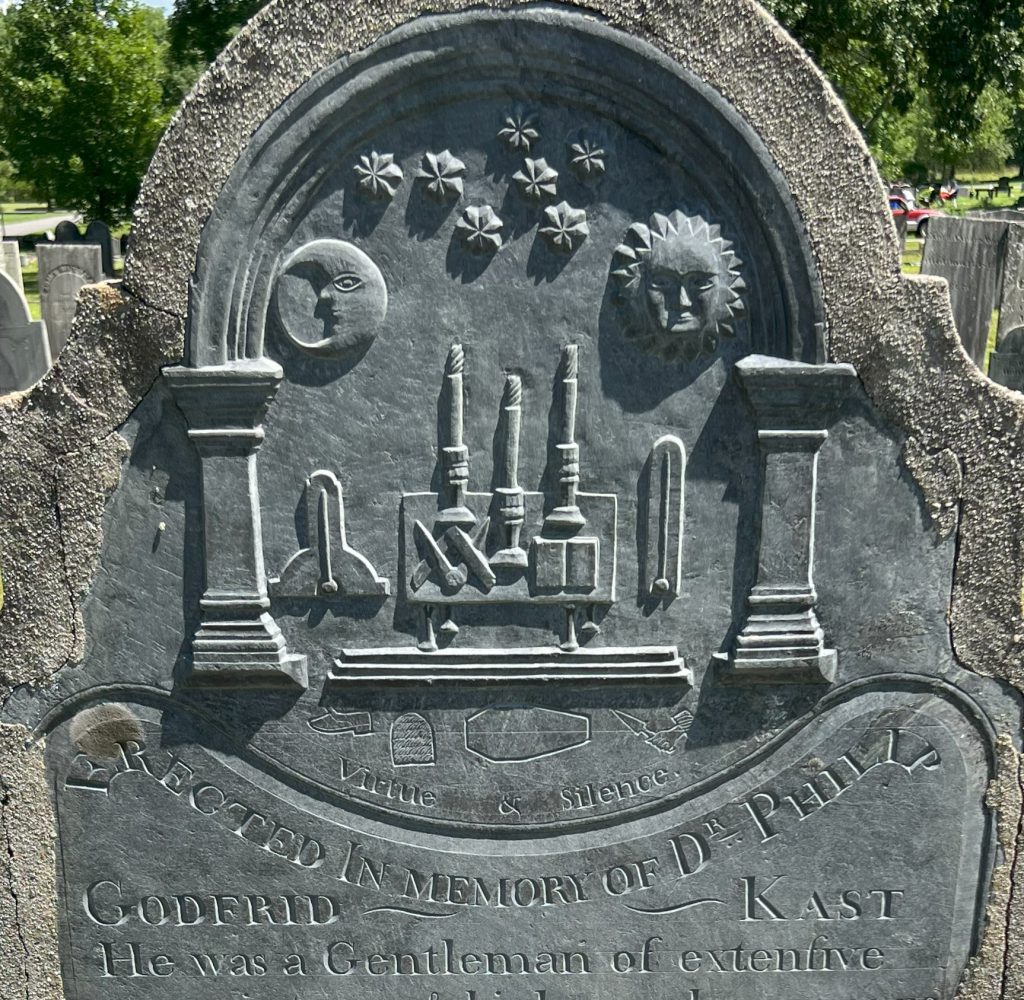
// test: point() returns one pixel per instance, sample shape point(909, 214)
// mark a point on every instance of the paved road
point(15, 228)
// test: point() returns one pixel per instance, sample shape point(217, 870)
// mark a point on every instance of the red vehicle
point(917, 218)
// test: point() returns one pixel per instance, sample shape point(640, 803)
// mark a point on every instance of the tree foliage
point(937, 61)
point(81, 99)
point(201, 28)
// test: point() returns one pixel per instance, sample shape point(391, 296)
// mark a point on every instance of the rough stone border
point(60, 453)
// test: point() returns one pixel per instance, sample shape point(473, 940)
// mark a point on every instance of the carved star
point(536, 179)
point(480, 228)
point(587, 159)
point(566, 227)
point(443, 174)
point(379, 175)
point(520, 131)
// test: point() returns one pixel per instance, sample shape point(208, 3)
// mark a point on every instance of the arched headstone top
point(566, 160)
point(14, 309)
point(835, 195)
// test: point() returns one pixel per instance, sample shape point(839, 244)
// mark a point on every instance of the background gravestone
point(24, 347)
point(535, 575)
point(97, 233)
point(1005, 366)
point(968, 253)
point(1006, 362)
point(10, 262)
point(63, 270)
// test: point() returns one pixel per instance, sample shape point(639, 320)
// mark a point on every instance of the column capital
point(225, 398)
point(791, 395)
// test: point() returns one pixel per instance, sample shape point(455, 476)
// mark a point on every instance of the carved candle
point(567, 514)
point(454, 364)
point(513, 406)
point(570, 383)
point(454, 454)
point(511, 508)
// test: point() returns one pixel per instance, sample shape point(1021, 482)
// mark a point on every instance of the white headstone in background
point(10, 262)
point(63, 270)
point(24, 348)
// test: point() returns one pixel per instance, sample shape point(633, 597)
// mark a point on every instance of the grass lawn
point(30, 276)
point(21, 211)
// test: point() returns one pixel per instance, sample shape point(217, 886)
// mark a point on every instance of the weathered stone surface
point(28, 897)
point(59, 458)
point(64, 269)
point(969, 253)
point(314, 484)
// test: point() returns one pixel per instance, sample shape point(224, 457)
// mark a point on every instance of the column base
point(780, 648)
point(784, 668)
point(250, 653)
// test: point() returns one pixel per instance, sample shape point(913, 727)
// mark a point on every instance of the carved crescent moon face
point(331, 299)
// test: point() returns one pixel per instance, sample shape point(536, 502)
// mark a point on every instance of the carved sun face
point(681, 286)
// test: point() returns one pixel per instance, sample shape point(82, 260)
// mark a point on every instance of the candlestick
point(454, 454)
point(567, 513)
point(511, 505)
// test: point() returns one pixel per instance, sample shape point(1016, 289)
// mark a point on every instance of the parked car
point(917, 218)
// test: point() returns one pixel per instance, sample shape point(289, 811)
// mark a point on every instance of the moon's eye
point(347, 281)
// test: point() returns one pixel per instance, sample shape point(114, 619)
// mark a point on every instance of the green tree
point(884, 56)
point(199, 29)
point(81, 100)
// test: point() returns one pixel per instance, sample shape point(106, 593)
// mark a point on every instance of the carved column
point(794, 404)
point(237, 642)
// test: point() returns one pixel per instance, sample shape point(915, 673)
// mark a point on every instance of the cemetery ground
point(20, 211)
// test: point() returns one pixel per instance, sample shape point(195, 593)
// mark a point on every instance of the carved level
point(328, 567)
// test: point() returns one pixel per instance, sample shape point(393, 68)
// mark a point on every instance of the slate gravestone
point(900, 222)
point(10, 262)
point(24, 347)
point(97, 233)
point(968, 253)
point(998, 214)
point(505, 599)
point(1006, 362)
point(66, 232)
point(63, 270)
